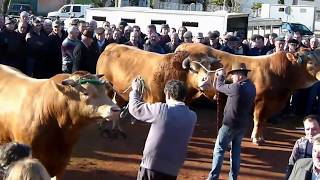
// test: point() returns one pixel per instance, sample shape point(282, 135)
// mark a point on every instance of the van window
point(128, 20)
point(76, 9)
point(99, 18)
point(158, 22)
point(190, 24)
point(65, 9)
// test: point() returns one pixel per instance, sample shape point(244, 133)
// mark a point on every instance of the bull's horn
point(68, 82)
point(100, 75)
point(186, 63)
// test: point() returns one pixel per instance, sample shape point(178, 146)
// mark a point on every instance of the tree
point(5, 5)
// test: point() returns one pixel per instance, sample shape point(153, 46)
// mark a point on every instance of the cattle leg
point(257, 137)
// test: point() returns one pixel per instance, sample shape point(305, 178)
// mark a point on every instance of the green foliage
point(256, 5)
point(217, 2)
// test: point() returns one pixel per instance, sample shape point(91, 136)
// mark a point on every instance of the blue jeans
point(225, 136)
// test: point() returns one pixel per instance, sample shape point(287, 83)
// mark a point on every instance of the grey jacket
point(171, 129)
point(302, 170)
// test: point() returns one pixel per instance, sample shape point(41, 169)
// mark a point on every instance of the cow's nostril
point(115, 109)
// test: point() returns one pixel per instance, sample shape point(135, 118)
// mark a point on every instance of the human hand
point(135, 84)
point(220, 72)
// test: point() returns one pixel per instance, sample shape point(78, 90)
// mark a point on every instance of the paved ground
point(96, 158)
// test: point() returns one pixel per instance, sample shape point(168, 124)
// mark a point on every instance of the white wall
point(298, 14)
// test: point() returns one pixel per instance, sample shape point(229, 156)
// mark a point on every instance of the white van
point(70, 10)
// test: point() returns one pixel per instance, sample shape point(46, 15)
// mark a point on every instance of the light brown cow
point(275, 76)
point(49, 114)
point(120, 64)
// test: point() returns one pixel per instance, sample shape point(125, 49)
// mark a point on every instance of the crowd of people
point(41, 48)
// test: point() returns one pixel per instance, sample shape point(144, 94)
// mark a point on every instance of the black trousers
point(147, 174)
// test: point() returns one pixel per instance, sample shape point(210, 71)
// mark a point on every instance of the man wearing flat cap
point(100, 40)
point(236, 119)
point(279, 45)
point(85, 54)
point(12, 46)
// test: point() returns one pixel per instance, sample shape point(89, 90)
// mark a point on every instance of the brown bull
point(275, 76)
point(120, 64)
point(48, 114)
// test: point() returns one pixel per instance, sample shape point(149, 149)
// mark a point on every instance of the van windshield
point(299, 27)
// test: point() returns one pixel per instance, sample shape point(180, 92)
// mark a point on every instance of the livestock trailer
point(195, 21)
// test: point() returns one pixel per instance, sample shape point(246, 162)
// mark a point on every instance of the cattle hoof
point(257, 141)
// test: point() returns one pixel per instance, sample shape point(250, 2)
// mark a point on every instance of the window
point(128, 20)
point(99, 18)
point(190, 24)
point(76, 9)
point(281, 9)
point(65, 9)
point(158, 22)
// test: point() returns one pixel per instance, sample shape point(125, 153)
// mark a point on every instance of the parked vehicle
point(195, 21)
point(70, 10)
point(16, 9)
point(293, 27)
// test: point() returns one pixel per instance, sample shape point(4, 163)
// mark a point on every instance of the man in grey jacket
point(172, 125)
point(308, 168)
point(237, 115)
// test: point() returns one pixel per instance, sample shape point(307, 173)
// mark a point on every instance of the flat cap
point(280, 38)
point(187, 34)
point(99, 30)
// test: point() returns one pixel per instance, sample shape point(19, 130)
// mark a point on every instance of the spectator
point(24, 18)
point(134, 40)
point(181, 32)
point(10, 153)
point(109, 36)
point(303, 146)
point(237, 116)
point(106, 24)
point(173, 44)
point(117, 37)
point(67, 49)
point(153, 45)
point(47, 26)
point(297, 36)
point(100, 40)
point(22, 29)
point(28, 169)
point(308, 168)
point(85, 55)
point(37, 51)
point(13, 46)
point(214, 40)
point(187, 37)
point(287, 37)
point(259, 48)
point(142, 36)
point(293, 45)
point(231, 45)
point(165, 150)
point(56, 38)
point(242, 48)
point(314, 43)
point(126, 33)
point(164, 34)
point(93, 24)
point(82, 25)
point(199, 38)
point(150, 29)
point(272, 41)
point(113, 27)
point(266, 40)
point(279, 45)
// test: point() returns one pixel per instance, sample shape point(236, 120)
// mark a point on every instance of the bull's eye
point(194, 71)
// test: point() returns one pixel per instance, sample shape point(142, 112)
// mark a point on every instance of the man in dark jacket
point(237, 116)
point(85, 55)
point(12, 46)
point(56, 37)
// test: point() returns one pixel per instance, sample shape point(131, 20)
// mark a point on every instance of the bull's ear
point(292, 57)
point(186, 63)
point(69, 82)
